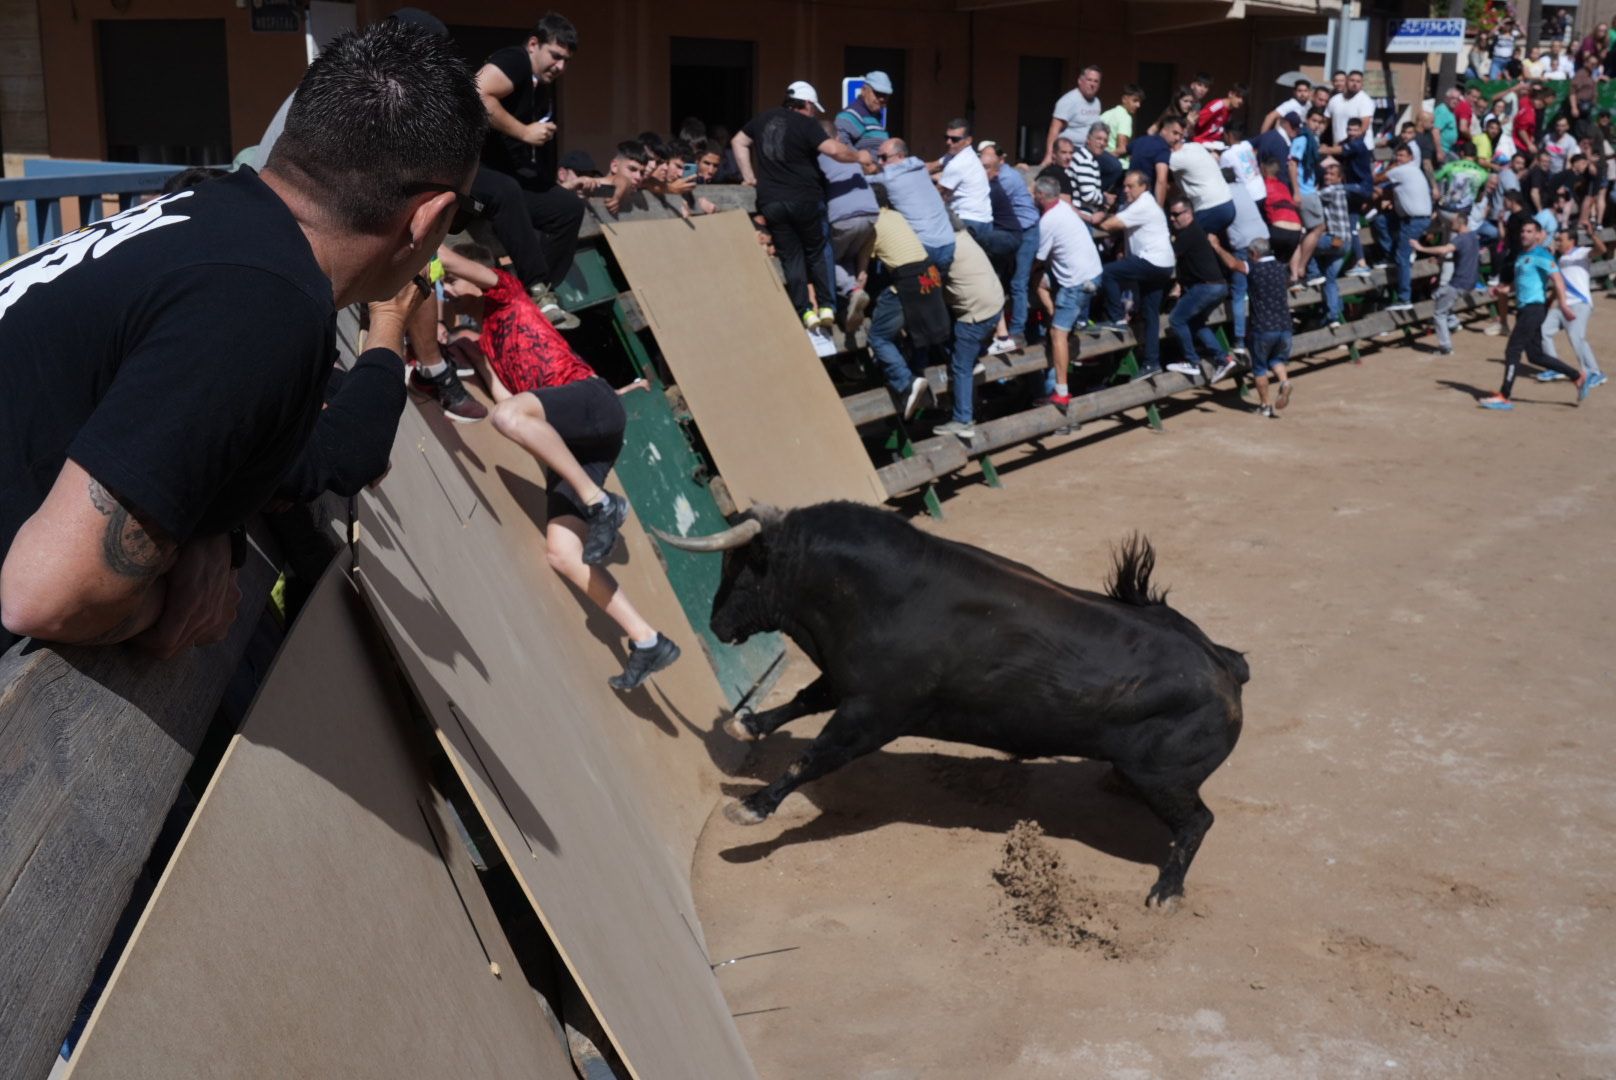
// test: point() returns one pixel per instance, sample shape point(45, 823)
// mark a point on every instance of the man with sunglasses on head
point(184, 347)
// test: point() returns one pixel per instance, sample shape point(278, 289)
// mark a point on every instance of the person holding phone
point(535, 218)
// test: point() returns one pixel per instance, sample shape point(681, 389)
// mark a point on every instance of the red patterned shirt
point(1210, 120)
point(524, 349)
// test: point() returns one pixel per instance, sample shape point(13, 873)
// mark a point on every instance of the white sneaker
point(1001, 346)
point(1184, 369)
point(1360, 271)
point(1224, 369)
point(1400, 306)
point(954, 427)
point(1316, 281)
point(979, 368)
point(919, 391)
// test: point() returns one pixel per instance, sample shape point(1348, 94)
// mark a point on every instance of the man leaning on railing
point(164, 368)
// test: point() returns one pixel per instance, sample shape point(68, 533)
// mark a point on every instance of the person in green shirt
point(1447, 118)
point(1119, 118)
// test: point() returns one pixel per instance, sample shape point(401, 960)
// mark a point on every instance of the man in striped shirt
point(863, 123)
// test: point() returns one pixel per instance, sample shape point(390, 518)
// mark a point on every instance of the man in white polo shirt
point(1067, 251)
point(1147, 268)
point(964, 181)
point(1197, 172)
point(1349, 103)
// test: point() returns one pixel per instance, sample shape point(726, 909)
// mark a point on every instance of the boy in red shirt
point(552, 404)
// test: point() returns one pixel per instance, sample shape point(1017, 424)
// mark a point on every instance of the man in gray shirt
point(1465, 247)
point(1410, 190)
point(911, 192)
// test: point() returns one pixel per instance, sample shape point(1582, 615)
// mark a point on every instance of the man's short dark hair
point(958, 122)
point(1133, 90)
point(1341, 73)
point(1240, 89)
point(380, 112)
point(1302, 82)
point(1355, 120)
point(556, 29)
point(631, 150)
point(1203, 77)
point(1316, 111)
point(1235, 130)
point(1350, 74)
point(1171, 118)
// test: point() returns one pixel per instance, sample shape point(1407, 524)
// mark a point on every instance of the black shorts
point(589, 417)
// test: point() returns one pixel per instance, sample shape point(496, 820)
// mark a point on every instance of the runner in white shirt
point(1066, 246)
point(1575, 265)
point(1241, 160)
point(1197, 172)
point(1344, 106)
point(1147, 268)
point(965, 184)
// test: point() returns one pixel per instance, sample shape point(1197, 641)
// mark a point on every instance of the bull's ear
point(768, 516)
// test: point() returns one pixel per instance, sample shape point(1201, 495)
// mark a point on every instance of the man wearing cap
point(778, 153)
point(863, 123)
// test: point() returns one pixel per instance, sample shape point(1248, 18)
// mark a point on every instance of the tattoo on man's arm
point(126, 547)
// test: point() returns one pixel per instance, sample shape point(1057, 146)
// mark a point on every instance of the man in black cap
point(578, 172)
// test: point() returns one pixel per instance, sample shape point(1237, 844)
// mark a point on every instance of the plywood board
point(761, 398)
point(319, 918)
point(512, 666)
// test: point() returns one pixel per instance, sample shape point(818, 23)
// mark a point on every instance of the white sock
point(432, 371)
point(1062, 390)
point(648, 642)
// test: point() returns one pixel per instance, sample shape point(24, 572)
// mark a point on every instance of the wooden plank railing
point(94, 745)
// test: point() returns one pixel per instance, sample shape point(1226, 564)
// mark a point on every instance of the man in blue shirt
point(1535, 271)
point(911, 192)
point(1006, 179)
point(1149, 154)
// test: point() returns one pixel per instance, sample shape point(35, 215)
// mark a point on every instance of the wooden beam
point(94, 744)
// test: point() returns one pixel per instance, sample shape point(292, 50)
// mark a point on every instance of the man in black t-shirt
point(164, 368)
point(778, 153)
point(535, 219)
point(1203, 289)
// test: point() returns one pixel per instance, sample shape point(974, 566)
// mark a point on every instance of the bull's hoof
point(1164, 899)
point(739, 813)
point(737, 728)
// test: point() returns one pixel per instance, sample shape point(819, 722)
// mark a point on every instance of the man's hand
point(637, 384)
point(388, 318)
point(539, 132)
point(681, 186)
point(199, 601)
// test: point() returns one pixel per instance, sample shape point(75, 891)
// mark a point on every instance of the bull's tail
point(1135, 561)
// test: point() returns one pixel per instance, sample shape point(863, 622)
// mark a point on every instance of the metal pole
point(1448, 73)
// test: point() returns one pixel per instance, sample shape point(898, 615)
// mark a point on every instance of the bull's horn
point(732, 537)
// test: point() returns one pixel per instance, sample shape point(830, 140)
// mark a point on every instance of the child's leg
point(521, 419)
point(564, 550)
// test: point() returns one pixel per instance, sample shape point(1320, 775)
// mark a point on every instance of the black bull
point(917, 635)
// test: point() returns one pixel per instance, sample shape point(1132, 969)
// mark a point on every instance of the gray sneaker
point(955, 427)
point(559, 316)
point(643, 663)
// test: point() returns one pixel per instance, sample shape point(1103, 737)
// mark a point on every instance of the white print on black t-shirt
point(46, 264)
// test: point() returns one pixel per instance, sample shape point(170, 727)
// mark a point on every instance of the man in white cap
point(863, 123)
point(778, 153)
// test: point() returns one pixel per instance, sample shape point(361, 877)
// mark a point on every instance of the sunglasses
point(955, 138)
point(467, 208)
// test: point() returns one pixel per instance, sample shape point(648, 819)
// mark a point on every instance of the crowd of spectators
point(944, 248)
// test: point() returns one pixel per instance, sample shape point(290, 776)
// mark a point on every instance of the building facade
point(192, 80)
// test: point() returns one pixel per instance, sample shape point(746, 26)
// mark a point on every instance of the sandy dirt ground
point(1411, 872)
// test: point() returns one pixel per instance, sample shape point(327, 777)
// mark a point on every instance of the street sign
point(1426, 36)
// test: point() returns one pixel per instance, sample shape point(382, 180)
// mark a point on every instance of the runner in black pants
point(1534, 271)
point(535, 219)
point(553, 405)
